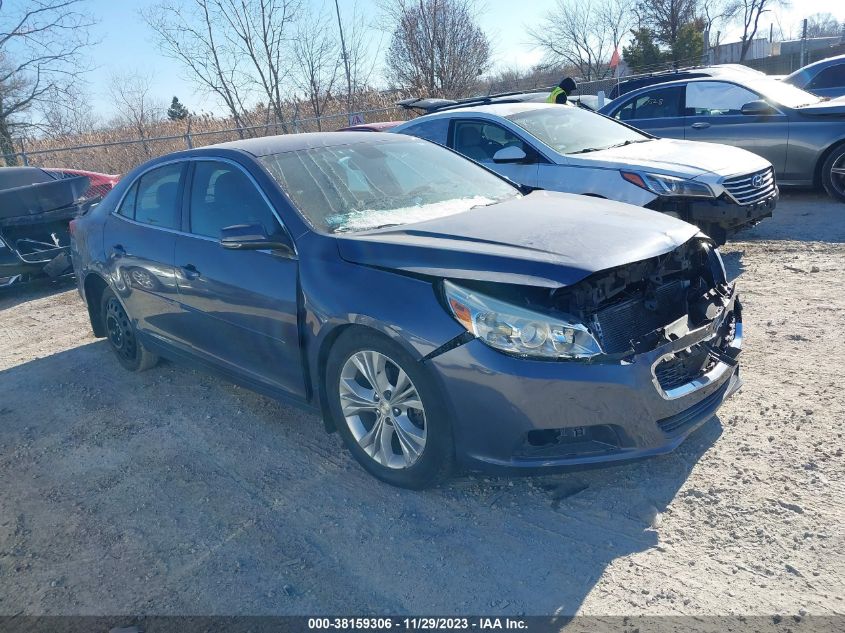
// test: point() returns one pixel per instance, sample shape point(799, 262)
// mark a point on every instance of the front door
point(240, 307)
point(713, 110)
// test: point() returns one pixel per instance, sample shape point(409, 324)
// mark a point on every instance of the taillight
point(72, 228)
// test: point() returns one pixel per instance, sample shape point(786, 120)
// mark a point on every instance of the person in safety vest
point(562, 90)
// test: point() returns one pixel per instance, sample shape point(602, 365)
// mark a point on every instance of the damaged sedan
point(432, 313)
point(35, 209)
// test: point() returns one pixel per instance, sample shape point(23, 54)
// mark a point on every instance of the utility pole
point(345, 60)
point(803, 44)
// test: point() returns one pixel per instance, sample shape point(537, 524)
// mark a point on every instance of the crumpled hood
point(544, 239)
point(687, 159)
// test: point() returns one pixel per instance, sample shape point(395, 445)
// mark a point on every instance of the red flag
point(614, 61)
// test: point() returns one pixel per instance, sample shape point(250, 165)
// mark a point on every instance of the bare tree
point(582, 34)
point(67, 112)
point(436, 47)
point(317, 61)
point(616, 17)
point(823, 25)
point(41, 47)
point(750, 12)
point(135, 105)
point(237, 49)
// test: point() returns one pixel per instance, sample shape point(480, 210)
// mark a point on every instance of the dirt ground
point(172, 492)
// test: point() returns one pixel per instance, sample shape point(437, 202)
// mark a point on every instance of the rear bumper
point(722, 211)
point(517, 414)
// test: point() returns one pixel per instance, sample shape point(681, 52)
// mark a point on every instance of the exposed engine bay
point(639, 306)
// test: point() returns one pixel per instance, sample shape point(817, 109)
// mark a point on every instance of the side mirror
point(757, 108)
point(253, 237)
point(510, 154)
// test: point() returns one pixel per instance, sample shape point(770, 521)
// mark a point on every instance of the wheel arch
point(93, 287)
point(817, 173)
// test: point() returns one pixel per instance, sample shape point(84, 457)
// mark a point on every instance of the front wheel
point(388, 412)
point(833, 174)
point(122, 337)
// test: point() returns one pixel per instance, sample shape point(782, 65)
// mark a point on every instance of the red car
point(100, 184)
point(378, 126)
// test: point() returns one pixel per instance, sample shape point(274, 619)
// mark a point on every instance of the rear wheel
point(122, 337)
point(833, 174)
point(388, 412)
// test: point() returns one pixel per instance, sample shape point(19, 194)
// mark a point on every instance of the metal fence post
point(188, 140)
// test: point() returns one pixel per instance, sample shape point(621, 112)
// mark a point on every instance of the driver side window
point(480, 141)
point(716, 98)
point(221, 196)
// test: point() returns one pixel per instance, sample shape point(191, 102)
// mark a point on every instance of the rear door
point(240, 306)
point(139, 239)
point(659, 111)
point(713, 114)
point(479, 140)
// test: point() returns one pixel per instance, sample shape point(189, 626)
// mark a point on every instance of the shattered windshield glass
point(370, 185)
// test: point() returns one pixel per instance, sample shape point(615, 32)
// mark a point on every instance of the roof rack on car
point(429, 105)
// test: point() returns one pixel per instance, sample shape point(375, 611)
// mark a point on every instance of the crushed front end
point(670, 329)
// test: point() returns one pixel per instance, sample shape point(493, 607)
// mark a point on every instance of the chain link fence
point(119, 156)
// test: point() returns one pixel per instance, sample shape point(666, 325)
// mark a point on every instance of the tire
point(833, 174)
point(405, 441)
point(121, 335)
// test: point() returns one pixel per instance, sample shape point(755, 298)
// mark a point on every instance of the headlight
point(516, 330)
point(668, 185)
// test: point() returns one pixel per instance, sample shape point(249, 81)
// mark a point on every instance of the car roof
point(266, 145)
point(376, 126)
point(496, 109)
point(822, 62)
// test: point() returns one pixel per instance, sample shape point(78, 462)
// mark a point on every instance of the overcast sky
point(126, 44)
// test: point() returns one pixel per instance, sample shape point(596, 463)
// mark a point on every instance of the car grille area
point(621, 323)
point(683, 367)
point(751, 188)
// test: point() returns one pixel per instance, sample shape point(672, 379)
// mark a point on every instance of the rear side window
point(221, 196)
point(434, 130)
point(127, 206)
point(830, 77)
point(157, 199)
point(655, 104)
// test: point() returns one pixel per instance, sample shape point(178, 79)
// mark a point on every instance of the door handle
point(700, 125)
point(190, 271)
point(118, 251)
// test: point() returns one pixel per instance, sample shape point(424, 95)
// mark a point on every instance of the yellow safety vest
point(552, 98)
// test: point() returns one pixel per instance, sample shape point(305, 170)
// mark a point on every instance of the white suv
point(563, 148)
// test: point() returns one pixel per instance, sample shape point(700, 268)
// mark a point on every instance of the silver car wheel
point(837, 175)
point(383, 409)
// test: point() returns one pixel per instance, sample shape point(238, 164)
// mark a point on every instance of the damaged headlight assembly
point(661, 185)
point(516, 330)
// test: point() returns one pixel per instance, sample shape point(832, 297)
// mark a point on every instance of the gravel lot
point(173, 492)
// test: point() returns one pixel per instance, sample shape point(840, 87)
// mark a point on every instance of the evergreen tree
point(177, 111)
point(643, 54)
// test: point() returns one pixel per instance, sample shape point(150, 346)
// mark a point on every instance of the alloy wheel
point(121, 334)
point(383, 409)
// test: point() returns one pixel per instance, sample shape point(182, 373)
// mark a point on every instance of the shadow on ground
point(173, 492)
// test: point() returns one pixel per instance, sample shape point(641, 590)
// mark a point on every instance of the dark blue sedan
point(431, 312)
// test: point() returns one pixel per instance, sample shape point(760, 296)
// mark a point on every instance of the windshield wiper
point(615, 145)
